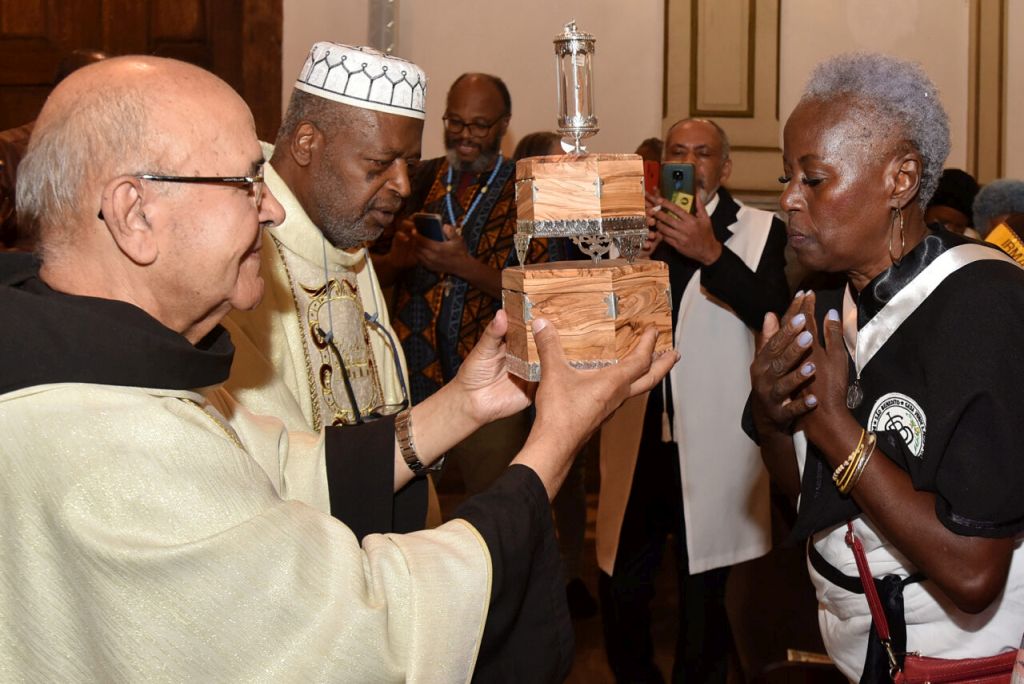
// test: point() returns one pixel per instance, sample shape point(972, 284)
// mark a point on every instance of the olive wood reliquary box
point(599, 309)
point(596, 198)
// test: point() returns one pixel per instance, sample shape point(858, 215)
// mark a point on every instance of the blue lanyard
point(476, 200)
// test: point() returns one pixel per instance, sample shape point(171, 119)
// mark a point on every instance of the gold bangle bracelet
point(844, 481)
point(838, 473)
point(855, 476)
point(852, 467)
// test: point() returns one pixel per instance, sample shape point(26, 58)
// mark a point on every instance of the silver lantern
point(574, 53)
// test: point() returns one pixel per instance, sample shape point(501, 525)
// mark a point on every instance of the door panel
point(239, 40)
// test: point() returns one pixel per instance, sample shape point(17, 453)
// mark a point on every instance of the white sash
point(727, 512)
point(864, 344)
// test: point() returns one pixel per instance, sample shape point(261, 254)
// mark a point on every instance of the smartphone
point(677, 185)
point(652, 175)
point(429, 225)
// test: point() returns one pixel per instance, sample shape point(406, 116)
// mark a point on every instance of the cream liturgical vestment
point(151, 531)
point(317, 339)
point(161, 549)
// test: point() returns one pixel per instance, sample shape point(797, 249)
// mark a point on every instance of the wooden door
point(239, 40)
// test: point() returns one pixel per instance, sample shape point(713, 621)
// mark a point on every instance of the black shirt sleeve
point(528, 635)
point(957, 356)
point(752, 294)
point(361, 481)
point(974, 443)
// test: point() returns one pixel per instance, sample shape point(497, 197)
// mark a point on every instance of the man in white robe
point(154, 530)
point(340, 168)
point(319, 349)
point(677, 462)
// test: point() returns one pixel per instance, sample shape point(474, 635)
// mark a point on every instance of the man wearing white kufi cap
point(319, 350)
point(154, 530)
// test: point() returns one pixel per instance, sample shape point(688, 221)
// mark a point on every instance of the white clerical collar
point(712, 205)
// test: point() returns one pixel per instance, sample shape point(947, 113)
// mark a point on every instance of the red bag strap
point(874, 603)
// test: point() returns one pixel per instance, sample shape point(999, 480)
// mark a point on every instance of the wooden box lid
point(581, 167)
point(577, 276)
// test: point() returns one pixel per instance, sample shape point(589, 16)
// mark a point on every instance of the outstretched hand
point(572, 404)
point(489, 390)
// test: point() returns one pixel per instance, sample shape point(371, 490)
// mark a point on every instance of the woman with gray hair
point(869, 400)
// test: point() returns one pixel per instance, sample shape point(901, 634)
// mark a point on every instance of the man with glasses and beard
point(446, 291)
point(319, 349)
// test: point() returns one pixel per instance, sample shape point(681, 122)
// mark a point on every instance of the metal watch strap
point(403, 433)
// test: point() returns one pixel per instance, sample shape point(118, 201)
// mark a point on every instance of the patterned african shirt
point(438, 326)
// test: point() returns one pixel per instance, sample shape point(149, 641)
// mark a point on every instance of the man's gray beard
point(482, 163)
point(349, 234)
point(342, 232)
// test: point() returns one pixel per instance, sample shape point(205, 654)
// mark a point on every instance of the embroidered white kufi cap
point(364, 77)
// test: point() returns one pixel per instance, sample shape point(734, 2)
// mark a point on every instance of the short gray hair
point(104, 132)
point(899, 96)
point(328, 116)
point(1003, 196)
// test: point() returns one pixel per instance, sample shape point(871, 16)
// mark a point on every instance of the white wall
point(934, 33)
point(309, 21)
point(513, 41)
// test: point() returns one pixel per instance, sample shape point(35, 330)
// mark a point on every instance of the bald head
point(125, 115)
point(476, 119)
point(482, 83)
point(704, 144)
point(124, 137)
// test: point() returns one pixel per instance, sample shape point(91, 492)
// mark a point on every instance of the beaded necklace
point(476, 200)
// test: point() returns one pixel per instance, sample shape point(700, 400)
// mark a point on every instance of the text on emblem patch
point(895, 412)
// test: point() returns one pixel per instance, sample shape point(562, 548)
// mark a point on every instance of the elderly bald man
point(154, 529)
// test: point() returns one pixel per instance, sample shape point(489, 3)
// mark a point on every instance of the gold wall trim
point(695, 109)
point(664, 60)
point(986, 110)
point(754, 133)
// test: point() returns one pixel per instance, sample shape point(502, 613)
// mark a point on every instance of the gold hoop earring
point(903, 238)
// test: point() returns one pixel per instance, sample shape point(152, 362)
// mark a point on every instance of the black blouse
point(957, 358)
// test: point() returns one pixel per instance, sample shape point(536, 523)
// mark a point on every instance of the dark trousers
point(655, 511)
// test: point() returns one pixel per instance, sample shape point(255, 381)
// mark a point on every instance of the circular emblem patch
point(899, 413)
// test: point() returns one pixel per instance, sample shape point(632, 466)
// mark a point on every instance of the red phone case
point(652, 176)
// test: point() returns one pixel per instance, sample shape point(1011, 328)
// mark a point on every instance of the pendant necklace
point(854, 393)
point(449, 179)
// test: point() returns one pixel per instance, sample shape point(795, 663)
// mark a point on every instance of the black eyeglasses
point(477, 130)
point(253, 183)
